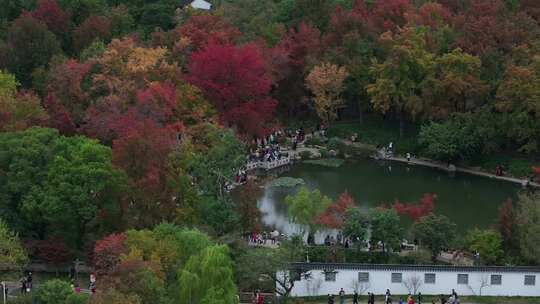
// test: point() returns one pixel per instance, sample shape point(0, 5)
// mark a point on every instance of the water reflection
point(470, 201)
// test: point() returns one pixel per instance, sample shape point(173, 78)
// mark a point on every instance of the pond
point(469, 201)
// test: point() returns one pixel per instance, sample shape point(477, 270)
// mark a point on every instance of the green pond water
point(468, 200)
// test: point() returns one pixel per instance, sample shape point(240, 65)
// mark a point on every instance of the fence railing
point(268, 165)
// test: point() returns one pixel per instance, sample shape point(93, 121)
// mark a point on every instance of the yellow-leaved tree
point(326, 83)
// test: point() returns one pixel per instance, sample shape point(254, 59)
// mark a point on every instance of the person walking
point(454, 294)
point(330, 299)
point(341, 296)
point(23, 285)
point(372, 298)
point(388, 297)
point(260, 298)
point(410, 299)
point(408, 157)
point(419, 298)
point(29, 281)
point(355, 298)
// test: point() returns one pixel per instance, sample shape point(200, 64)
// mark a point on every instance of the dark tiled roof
point(396, 267)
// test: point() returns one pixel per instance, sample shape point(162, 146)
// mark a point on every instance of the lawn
point(377, 131)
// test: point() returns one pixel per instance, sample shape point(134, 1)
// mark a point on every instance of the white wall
point(379, 280)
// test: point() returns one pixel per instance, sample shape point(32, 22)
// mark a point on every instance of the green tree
point(267, 268)
point(385, 228)
point(486, 242)
point(457, 86)
point(305, 206)
point(12, 251)
point(8, 84)
point(213, 158)
point(56, 185)
point(435, 232)
point(528, 222)
point(171, 245)
point(398, 80)
point(53, 292)
point(518, 96)
point(356, 225)
point(455, 139)
point(207, 275)
point(29, 45)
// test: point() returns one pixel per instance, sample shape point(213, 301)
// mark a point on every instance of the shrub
point(305, 154)
point(335, 143)
point(23, 299)
point(53, 292)
point(314, 140)
point(77, 298)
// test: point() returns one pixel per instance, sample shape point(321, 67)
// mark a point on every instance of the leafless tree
point(360, 287)
point(313, 285)
point(413, 283)
point(484, 282)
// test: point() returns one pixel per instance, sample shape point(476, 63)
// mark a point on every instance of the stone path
point(432, 164)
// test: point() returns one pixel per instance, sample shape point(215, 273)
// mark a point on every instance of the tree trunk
point(360, 116)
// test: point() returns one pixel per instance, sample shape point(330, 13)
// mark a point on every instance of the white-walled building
point(201, 4)
point(322, 278)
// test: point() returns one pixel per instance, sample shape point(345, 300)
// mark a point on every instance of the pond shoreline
point(435, 165)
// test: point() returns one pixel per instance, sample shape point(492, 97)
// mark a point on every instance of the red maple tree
point(94, 27)
point(203, 30)
point(334, 216)
point(236, 81)
point(107, 252)
point(506, 223)
point(51, 251)
point(59, 117)
point(536, 171)
point(418, 210)
point(389, 14)
point(50, 13)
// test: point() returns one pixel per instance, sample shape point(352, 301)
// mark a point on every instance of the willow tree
point(326, 83)
point(305, 207)
point(207, 278)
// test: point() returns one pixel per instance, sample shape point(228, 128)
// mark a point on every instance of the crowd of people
point(453, 298)
point(265, 238)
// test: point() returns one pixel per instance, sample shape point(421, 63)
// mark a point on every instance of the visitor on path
point(408, 157)
point(454, 294)
point(23, 285)
point(260, 298)
point(391, 148)
point(254, 298)
point(29, 281)
point(341, 296)
point(401, 301)
point(388, 297)
point(410, 299)
point(355, 297)
point(443, 299)
point(419, 297)
point(330, 299)
point(372, 298)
